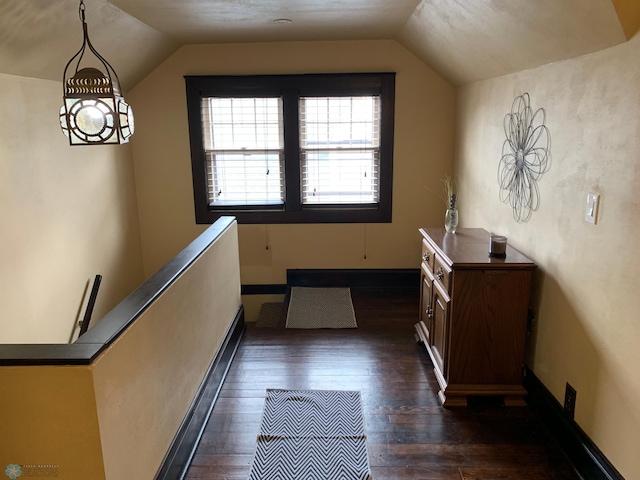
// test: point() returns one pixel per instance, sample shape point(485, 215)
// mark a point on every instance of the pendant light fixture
point(94, 112)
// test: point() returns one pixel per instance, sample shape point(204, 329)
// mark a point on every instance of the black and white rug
point(311, 307)
point(311, 435)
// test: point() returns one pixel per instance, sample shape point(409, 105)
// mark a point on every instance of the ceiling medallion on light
point(94, 112)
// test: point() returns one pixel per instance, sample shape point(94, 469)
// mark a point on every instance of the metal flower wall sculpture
point(525, 157)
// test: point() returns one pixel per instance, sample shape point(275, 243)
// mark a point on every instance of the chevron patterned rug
point(311, 435)
point(320, 308)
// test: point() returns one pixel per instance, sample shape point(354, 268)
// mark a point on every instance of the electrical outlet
point(570, 401)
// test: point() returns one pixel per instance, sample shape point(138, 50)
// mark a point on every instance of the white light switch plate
point(591, 212)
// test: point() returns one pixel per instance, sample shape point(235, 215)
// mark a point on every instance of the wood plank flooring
point(409, 435)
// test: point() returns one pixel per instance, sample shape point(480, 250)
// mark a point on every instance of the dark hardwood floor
point(409, 435)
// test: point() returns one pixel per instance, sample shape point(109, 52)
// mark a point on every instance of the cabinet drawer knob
point(426, 257)
point(440, 274)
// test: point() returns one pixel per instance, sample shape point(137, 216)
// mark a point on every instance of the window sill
point(315, 214)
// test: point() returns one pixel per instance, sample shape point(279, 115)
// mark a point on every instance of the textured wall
point(146, 381)
point(587, 327)
point(471, 41)
point(116, 418)
point(422, 156)
point(68, 213)
point(49, 420)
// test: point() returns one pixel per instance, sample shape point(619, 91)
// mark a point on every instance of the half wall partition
point(128, 399)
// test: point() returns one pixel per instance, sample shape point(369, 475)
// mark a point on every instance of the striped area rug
point(320, 308)
point(311, 435)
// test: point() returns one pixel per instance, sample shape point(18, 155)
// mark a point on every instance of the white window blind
point(340, 140)
point(243, 143)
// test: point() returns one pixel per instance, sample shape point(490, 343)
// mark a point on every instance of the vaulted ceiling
point(464, 40)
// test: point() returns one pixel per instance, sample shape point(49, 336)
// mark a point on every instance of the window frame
point(290, 88)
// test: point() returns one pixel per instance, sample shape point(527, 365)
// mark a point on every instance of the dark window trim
point(291, 87)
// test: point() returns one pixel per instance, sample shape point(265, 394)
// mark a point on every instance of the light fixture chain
point(81, 10)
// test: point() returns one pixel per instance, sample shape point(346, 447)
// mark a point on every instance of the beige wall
point(587, 327)
point(145, 382)
point(68, 213)
point(423, 152)
point(49, 419)
point(116, 419)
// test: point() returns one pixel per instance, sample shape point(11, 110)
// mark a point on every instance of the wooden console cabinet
point(473, 315)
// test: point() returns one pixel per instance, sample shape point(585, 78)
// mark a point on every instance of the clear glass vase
point(451, 220)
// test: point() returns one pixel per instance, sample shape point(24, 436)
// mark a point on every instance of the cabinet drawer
point(442, 272)
point(428, 255)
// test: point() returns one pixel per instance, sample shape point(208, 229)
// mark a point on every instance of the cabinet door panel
point(440, 333)
point(490, 326)
point(425, 305)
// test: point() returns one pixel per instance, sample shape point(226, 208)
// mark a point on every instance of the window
point(339, 145)
point(243, 151)
point(293, 148)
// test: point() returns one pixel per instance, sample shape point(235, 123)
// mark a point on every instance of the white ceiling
point(215, 21)
point(464, 40)
point(469, 40)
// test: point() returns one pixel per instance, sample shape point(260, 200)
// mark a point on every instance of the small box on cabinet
point(497, 246)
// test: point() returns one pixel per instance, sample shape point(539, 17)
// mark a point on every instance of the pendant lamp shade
point(93, 112)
